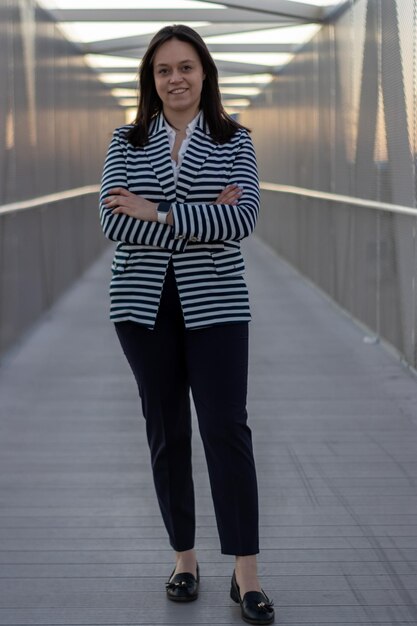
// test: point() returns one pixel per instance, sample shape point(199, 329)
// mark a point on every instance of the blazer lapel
point(158, 152)
point(200, 147)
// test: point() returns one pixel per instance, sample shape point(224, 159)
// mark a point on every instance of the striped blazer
point(204, 242)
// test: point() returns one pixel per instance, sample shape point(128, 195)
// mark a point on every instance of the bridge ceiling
point(250, 40)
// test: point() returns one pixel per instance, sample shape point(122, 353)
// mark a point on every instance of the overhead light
point(130, 115)
point(124, 93)
point(232, 110)
point(239, 102)
point(319, 3)
point(128, 102)
point(246, 78)
point(104, 60)
point(127, 4)
point(257, 58)
point(241, 91)
point(287, 34)
point(118, 77)
point(87, 32)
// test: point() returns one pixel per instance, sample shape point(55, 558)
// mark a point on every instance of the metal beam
point(281, 8)
point(225, 67)
point(242, 84)
point(253, 47)
point(169, 16)
point(332, 13)
point(234, 96)
point(121, 69)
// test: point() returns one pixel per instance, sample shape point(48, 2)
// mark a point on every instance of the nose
point(175, 77)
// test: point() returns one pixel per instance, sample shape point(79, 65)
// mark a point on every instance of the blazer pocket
point(120, 262)
point(140, 259)
point(228, 262)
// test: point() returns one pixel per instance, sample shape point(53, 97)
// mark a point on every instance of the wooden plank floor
point(334, 423)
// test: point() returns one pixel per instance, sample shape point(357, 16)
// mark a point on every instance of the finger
point(121, 209)
point(231, 197)
point(120, 191)
point(233, 192)
point(111, 201)
point(227, 200)
point(230, 190)
point(233, 189)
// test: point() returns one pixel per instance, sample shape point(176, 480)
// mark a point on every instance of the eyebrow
point(184, 61)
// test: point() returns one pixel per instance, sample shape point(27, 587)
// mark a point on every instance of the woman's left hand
point(123, 201)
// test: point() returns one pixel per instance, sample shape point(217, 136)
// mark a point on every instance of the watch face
point(164, 207)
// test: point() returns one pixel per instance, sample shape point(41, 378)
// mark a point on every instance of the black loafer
point(183, 587)
point(256, 607)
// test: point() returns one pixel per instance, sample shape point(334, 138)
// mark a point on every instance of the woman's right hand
point(230, 194)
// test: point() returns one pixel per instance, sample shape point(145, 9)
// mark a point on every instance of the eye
point(187, 67)
point(162, 71)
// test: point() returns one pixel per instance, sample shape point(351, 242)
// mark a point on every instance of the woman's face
point(178, 75)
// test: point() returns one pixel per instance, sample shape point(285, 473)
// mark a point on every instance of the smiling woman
point(179, 191)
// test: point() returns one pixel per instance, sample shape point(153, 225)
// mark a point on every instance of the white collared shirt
point(171, 137)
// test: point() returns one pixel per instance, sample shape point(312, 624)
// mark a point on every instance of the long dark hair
point(221, 126)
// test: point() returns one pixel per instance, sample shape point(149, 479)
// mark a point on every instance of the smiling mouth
point(178, 91)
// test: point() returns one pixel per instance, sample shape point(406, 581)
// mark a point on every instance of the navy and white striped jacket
point(204, 241)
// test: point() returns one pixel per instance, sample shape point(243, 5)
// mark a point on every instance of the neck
point(180, 119)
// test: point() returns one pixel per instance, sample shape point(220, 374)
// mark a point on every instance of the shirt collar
point(190, 127)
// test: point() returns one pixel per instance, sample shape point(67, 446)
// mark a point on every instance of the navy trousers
point(213, 362)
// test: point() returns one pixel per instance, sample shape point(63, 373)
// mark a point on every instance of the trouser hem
point(240, 552)
point(182, 549)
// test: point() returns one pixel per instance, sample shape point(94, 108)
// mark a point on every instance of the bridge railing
point(45, 244)
point(362, 253)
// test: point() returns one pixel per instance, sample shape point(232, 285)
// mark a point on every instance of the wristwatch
point(162, 210)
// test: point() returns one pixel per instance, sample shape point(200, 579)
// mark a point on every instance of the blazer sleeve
point(120, 227)
point(214, 222)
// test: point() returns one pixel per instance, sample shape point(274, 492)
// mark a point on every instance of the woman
point(179, 191)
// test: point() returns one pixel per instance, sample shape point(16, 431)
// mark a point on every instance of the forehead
point(174, 51)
